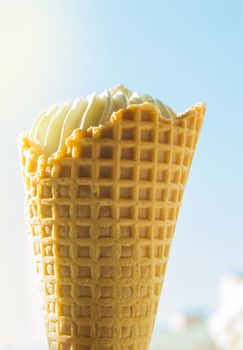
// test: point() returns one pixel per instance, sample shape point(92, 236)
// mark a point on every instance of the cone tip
point(201, 108)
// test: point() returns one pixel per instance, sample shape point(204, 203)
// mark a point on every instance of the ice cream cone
point(101, 216)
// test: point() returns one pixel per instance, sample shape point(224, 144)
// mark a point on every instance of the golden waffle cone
point(101, 216)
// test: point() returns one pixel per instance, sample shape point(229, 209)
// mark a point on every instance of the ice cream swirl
point(54, 125)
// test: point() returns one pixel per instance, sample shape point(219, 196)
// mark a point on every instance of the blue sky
point(182, 52)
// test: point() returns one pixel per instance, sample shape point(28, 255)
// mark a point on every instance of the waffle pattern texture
point(101, 217)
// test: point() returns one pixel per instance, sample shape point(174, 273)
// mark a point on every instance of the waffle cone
point(101, 217)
